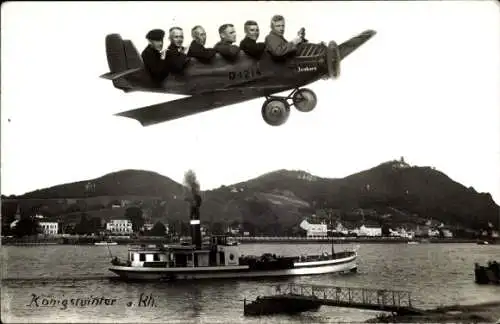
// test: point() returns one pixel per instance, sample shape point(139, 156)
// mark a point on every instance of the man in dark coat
point(224, 47)
point(175, 57)
point(152, 57)
point(197, 48)
point(249, 44)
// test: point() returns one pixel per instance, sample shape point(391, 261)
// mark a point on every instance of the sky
point(425, 88)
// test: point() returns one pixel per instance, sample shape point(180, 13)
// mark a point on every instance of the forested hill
point(392, 192)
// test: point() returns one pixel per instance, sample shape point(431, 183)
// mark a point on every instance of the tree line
point(29, 225)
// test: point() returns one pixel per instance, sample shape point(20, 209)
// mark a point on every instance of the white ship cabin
point(220, 252)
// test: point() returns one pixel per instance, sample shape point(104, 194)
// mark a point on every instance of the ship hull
point(225, 272)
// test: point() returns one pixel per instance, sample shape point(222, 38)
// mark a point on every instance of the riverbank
point(343, 240)
point(80, 240)
point(478, 313)
point(83, 240)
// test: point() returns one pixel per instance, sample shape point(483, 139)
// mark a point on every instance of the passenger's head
point(227, 33)
point(199, 35)
point(278, 24)
point(176, 36)
point(155, 38)
point(252, 29)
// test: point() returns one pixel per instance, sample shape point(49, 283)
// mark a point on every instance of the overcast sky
point(425, 87)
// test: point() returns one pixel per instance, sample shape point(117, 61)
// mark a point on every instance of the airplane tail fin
point(352, 44)
point(123, 59)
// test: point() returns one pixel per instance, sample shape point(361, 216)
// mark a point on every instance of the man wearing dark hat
point(154, 63)
point(175, 58)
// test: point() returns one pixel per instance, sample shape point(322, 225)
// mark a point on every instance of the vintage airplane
point(222, 83)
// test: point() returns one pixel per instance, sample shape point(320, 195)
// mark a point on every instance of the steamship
point(220, 257)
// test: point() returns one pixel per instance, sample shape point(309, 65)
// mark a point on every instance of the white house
point(314, 229)
point(49, 228)
point(401, 232)
point(447, 233)
point(369, 231)
point(432, 232)
point(119, 226)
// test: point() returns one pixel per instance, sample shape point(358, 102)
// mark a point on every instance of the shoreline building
point(49, 228)
point(119, 226)
point(370, 231)
point(314, 230)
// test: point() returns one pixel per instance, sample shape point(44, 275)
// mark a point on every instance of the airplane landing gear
point(276, 109)
point(304, 100)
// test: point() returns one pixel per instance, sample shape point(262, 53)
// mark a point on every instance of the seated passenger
point(249, 44)
point(175, 58)
point(227, 38)
point(197, 48)
point(302, 34)
point(154, 63)
point(276, 44)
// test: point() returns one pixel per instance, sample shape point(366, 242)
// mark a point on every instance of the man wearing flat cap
point(154, 60)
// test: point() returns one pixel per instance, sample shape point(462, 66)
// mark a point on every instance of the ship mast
point(331, 232)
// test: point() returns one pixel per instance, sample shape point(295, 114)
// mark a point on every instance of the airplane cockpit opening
point(222, 82)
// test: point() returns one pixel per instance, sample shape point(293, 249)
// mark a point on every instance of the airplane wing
point(195, 104)
point(352, 44)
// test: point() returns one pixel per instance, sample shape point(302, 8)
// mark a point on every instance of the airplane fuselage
point(246, 72)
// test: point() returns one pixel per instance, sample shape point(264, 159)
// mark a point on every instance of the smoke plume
point(191, 183)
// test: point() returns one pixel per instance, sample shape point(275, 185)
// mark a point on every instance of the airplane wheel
point(304, 100)
point(275, 111)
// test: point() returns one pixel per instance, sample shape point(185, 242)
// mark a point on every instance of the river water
point(435, 274)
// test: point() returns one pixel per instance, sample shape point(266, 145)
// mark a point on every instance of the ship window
point(156, 257)
point(142, 257)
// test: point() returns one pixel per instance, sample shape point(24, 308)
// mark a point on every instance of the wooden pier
point(288, 298)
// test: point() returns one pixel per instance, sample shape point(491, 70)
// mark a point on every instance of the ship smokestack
point(194, 199)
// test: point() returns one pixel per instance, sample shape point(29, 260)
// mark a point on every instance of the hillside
point(121, 183)
point(392, 192)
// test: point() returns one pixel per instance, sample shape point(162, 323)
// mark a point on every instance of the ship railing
point(347, 295)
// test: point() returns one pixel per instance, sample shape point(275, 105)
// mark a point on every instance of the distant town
point(127, 228)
